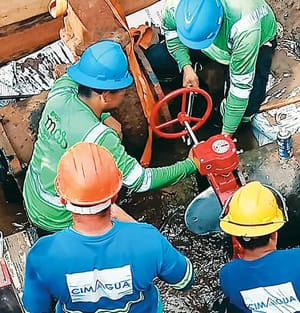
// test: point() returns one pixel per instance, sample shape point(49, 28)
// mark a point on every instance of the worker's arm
point(242, 70)
point(36, 297)
point(175, 47)
point(175, 269)
point(111, 122)
point(139, 178)
point(119, 214)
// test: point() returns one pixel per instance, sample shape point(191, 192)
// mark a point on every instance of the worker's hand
point(190, 156)
point(190, 78)
point(226, 133)
point(120, 214)
point(114, 124)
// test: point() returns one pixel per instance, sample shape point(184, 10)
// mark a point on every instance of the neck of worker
point(92, 224)
point(260, 252)
point(94, 102)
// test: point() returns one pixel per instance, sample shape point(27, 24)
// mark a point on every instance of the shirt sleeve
point(175, 47)
point(36, 298)
point(222, 281)
point(242, 71)
point(141, 179)
point(63, 84)
point(175, 269)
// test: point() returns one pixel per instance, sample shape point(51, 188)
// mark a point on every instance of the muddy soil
point(286, 65)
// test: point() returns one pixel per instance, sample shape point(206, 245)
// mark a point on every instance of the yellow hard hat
point(254, 211)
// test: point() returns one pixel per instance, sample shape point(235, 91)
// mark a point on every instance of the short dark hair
point(87, 91)
point(252, 243)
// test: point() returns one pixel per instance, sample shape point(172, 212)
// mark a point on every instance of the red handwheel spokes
point(182, 116)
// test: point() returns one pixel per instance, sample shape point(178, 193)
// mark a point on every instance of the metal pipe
point(191, 133)
point(8, 97)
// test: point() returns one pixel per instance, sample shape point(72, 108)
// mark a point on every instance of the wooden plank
point(276, 104)
point(15, 10)
point(9, 153)
point(22, 38)
point(130, 6)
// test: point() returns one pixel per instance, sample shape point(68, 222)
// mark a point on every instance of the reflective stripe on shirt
point(187, 277)
point(134, 175)
point(50, 198)
point(146, 185)
point(239, 92)
point(94, 133)
point(45, 195)
point(171, 34)
point(245, 22)
point(244, 79)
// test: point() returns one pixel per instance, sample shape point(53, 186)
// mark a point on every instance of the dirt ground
point(286, 65)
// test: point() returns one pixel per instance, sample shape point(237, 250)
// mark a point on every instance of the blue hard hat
point(198, 22)
point(102, 65)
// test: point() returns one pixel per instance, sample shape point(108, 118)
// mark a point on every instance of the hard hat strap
point(88, 209)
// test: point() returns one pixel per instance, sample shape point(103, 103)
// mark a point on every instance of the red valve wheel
point(182, 116)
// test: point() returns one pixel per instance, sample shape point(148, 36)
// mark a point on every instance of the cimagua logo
point(50, 129)
point(113, 283)
point(272, 299)
point(124, 309)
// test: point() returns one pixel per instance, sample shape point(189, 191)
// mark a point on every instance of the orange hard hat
point(87, 175)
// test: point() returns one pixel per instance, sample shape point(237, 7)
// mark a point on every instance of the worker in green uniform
point(74, 113)
point(238, 34)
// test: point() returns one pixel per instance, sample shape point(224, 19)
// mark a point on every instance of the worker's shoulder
point(63, 85)
point(139, 228)
point(43, 244)
point(284, 253)
point(246, 13)
point(278, 257)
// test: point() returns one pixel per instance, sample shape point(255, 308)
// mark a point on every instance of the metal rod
point(191, 133)
point(1, 244)
point(8, 97)
point(191, 97)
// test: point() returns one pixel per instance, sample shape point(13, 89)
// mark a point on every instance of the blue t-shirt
point(112, 272)
point(267, 285)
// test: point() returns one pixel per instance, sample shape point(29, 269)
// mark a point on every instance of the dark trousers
point(262, 71)
point(166, 69)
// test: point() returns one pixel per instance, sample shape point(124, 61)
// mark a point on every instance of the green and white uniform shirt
point(65, 121)
point(247, 25)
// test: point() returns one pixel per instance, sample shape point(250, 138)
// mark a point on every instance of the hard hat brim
point(251, 231)
point(197, 45)
point(85, 80)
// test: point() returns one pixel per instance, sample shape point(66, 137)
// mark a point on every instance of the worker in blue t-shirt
point(265, 279)
point(99, 264)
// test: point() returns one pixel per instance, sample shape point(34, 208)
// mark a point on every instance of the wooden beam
point(14, 11)
point(276, 104)
point(22, 35)
point(25, 37)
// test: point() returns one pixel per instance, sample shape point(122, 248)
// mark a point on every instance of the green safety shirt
point(247, 25)
point(65, 121)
